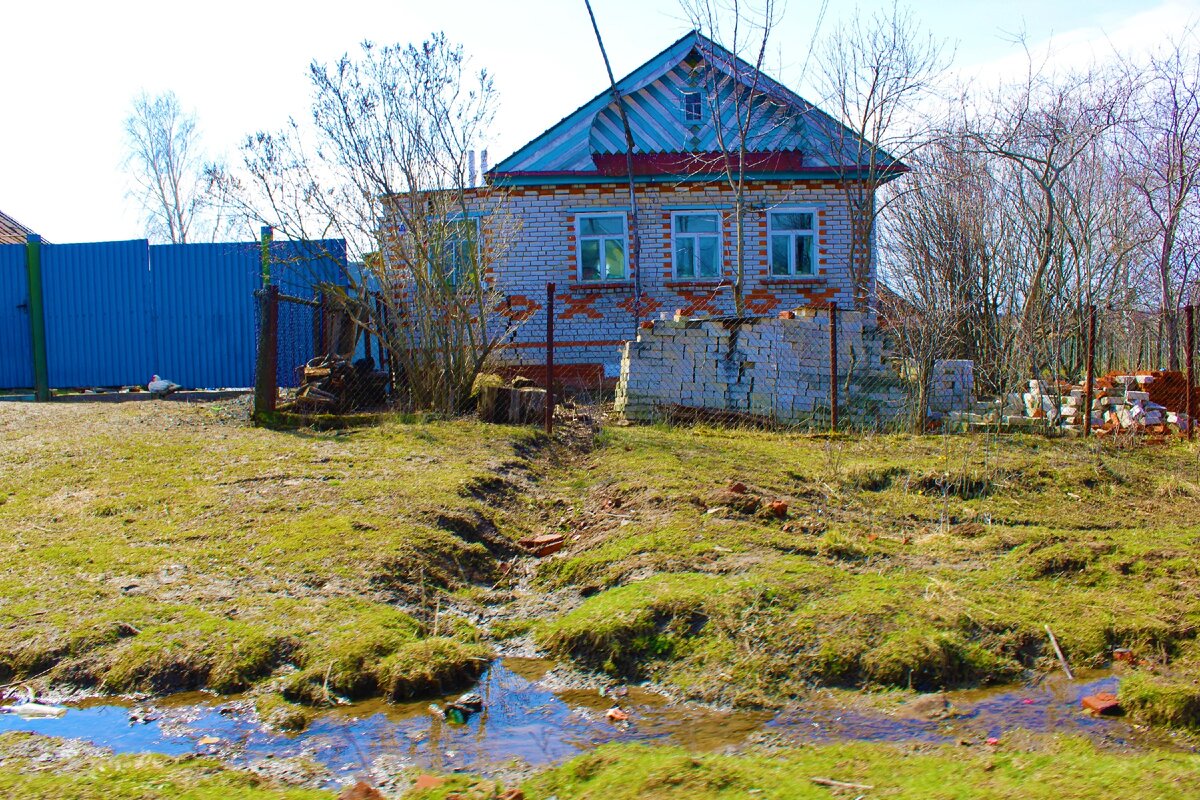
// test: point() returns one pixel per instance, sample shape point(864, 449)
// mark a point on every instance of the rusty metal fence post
point(549, 358)
point(266, 377)
point(1090, 381)
point(1189, 400)
point(833, 367)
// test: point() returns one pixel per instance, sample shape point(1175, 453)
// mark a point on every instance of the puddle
point(1051, 705)
point(526, 722)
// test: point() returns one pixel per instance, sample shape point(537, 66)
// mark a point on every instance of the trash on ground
point(34, 710)
point(543, 545)
point(616, 714)
point(1101, 703)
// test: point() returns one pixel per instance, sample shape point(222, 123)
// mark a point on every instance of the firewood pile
point(331, 384)
point(518, 403)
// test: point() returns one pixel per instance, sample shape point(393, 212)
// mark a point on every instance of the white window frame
point(455, 274)
point(811, 235)
point(683, 109)
point(720, 234)
point(580, 238)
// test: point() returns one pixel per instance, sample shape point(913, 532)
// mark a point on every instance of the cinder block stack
point(776, 367)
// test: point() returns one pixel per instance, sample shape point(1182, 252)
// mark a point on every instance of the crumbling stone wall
point(774, 367)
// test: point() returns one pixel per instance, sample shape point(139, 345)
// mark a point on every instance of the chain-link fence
point(314, 359)
point(825, 368)
point(811, 368)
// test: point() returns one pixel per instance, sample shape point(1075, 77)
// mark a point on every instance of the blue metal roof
point(780, 120)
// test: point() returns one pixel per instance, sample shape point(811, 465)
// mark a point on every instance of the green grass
point(1061, 768)
point(917, 562)
point(154, 548)
point(131, 777)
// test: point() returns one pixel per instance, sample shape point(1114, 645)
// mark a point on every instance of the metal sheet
point(204, 313)
point(16, 359)
point(98, 314)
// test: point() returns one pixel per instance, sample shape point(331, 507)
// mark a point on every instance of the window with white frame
point(460, 250)
point(792, 234)
point(693, 107)
point(696, 236)
point(601, 253)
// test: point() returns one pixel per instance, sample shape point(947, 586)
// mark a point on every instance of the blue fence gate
point(118, 312)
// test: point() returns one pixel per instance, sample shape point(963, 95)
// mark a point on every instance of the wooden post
point(549, 358)
point(1189, 400)
point(266, 377)
point(37, 317)
point(1090, 381)
point(833, 368)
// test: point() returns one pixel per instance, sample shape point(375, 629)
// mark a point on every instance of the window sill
point(703, 283)
point(780, 280)
point(600, 286)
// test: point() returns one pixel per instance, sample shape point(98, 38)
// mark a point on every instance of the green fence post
point(37, 317)
point(265, 254)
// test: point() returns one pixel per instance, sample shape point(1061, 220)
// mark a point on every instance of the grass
point(99, 776)
point(159, 548)
point(913, 562)
point(1032, 770)
point(155, 548)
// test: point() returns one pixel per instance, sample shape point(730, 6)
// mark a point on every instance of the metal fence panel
point(16, 361)
point(98, 314)
point(204, 312)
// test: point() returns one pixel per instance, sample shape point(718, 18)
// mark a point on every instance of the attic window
point(691, 107)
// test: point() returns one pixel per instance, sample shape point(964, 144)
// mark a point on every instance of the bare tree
point(1162, 164)
point(635, 237)
point(165, 164)
point(1050, 138)
point(745, 108)
point(876, 73)
point(386, 166)
point(735, 96)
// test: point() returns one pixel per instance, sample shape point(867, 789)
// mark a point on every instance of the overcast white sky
point(71, 69)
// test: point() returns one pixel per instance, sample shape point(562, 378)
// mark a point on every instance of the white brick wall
point(592, 321)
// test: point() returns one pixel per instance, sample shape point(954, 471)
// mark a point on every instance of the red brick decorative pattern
point(761, 301)
point(649, 305)
point(699, 301)
point(520, 308)
point(579, 305)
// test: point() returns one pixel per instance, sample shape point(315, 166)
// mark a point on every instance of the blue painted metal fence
point(16, 364)
point(118, 312)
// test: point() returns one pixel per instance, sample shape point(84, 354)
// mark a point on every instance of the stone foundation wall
point(772, 367)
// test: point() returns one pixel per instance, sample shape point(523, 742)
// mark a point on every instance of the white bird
point(161, 386)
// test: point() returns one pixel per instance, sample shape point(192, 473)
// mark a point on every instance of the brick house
point(568, 191)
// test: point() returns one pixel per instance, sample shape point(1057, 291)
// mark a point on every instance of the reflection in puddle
point(525, 721)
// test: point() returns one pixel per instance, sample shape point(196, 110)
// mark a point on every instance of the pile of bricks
point(1150, 402)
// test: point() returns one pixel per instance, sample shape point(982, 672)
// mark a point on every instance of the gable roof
point(787, 133)
point(11, 231)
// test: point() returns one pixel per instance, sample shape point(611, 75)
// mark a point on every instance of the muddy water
point(526, 721)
